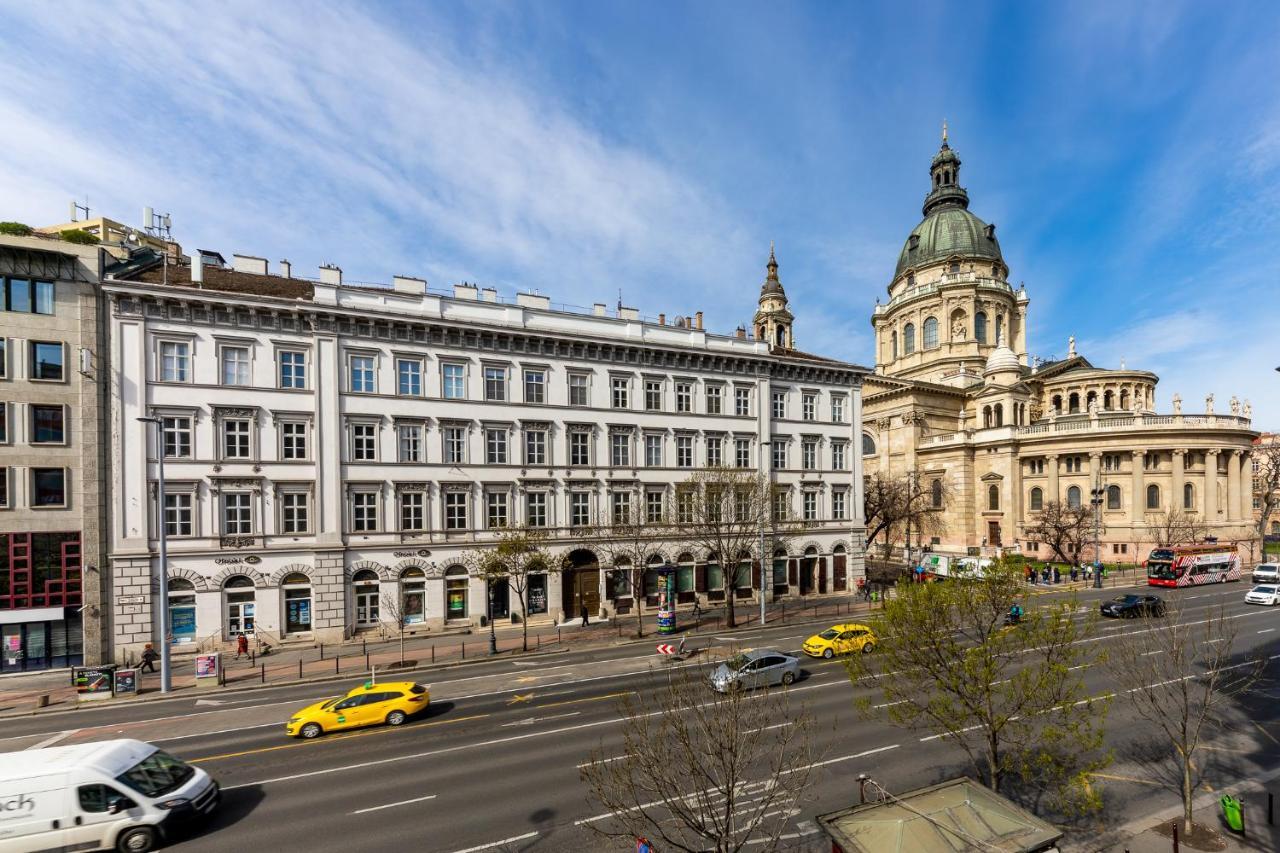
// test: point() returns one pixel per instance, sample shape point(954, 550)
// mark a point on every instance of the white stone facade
point(331, 448)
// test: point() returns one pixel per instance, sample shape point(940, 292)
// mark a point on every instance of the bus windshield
point(1161, 571)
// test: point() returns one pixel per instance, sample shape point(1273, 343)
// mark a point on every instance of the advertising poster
point(207, 669)
point(666, 602)
point(126, 682)
point(94, 682)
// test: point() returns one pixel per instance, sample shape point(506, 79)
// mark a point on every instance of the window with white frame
point(175, 361)
point(742, 402)
point(535, 386)
point(579, 448)
point(620, 449)
point(455, 510)
point(179, 514)
point(809, 407)
point(495, 383)
point(364, 511)
point(535, 504)
point(809, 504)
point(838, 499)
point(742, 452)
point(781, 505)
point(684, 397)
point(653, 451)
point(838, 449)
point(579, 386)
point(175, 435)
point(579, 509)
point(409, 377)
point(684, 506)
point(684, 451)
point(455, 445)
point(453, 381)
point(715, 399)
point(237, 513)
point(235, 365)
point(620, 387)
point(535, 447)
point(410, 441)
point(653, 395)
point(292, 365)
point(360, 374)
point(779, 454)
point(295, 512)
point(413, 511)
point(237, 438)
point(495, 446)
point(293, 439)
point(496, 515)
point(364, 442)
point(715, 451)
point(653, 507)
point(809, 455)
point(779, 405)
point(621, 507)
point(837, 408)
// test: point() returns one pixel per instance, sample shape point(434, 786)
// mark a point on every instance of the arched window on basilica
point(1073, 403)
point(909, 339)
point(935, 494)
point(1057, 404)
point(986, 417)
point(868, 445)
point(998, 414)
point(1113, 497)
point(1124, 399)
point(1073, 497)
point(980, 327)
point(1090, 399)
point(993, 497)
point(893, 343)
point(1108, 400)
point(1188, 496)
point(1153, 497)
point(1037, 499)
point(930, 332)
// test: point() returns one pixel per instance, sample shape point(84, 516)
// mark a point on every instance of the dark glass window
point(48, 486)
point(44, 297)
point(47, 425)
point(19, 295)
point(46, 360)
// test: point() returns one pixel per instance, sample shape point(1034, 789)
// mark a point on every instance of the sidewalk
point(20, 695)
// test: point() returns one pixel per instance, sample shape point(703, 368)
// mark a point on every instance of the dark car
point(1129, 606)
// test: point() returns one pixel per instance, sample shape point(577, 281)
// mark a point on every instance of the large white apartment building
point(327, 446)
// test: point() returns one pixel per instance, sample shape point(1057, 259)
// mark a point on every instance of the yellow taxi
point(840, 640)
point(370, 704)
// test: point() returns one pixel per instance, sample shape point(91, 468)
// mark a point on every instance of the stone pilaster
point(1233, 486)
point(1211, 487)
point(133, 598)
point(329, 600)
point(1179, 481)
point(1138, 501)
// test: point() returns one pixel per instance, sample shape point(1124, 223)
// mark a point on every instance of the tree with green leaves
point(516, 555)
point(1012, 698)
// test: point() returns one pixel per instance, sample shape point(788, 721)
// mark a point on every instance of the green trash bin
point(1232, 811)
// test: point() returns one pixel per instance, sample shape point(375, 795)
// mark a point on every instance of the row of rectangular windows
point(26, 296)
point(47, 488)
point(362, 373)
point(237, 514)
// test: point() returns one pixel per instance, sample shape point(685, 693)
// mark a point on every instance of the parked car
point(1263, 594)
point(840, 640)
point(1130, 606)
point(755, 668)
point(370, 704)
point(1266, 573)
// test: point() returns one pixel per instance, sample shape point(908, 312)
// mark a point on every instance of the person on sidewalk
point(149, 658)
point(585, 620)
point(242, 646)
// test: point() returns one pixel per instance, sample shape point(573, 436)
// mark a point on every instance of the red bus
point(1190, 565)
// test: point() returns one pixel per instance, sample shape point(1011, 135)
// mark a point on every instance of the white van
point(112, 795)
point(1266, 573)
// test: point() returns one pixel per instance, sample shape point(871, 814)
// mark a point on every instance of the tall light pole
point(163, 593)
point(1098, 494)
point(765, 581)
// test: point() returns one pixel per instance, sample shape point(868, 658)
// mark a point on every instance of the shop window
point(455, 592)
point(413, 595)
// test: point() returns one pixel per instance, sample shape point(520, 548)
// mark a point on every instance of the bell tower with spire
point(773, 321)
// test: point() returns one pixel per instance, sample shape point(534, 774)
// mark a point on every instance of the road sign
point(666, 649)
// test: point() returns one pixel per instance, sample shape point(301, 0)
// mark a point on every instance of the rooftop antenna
point(619, 299)
point(76, 207)
point(157, 224)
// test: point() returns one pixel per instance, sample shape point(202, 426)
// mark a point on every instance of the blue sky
point(1129, 153)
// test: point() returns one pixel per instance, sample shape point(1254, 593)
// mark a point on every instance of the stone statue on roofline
point(1235, 405)
point(1208, 404)
point(1248, 410)
point(1177, 404)
point(1071, 347)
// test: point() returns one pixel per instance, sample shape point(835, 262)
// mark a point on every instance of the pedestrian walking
point(1074, 574)
point(1031, 575)
point(242, 646)
point(149, 658)
point(697, 613)
point(1057, 575)
point(585, 621)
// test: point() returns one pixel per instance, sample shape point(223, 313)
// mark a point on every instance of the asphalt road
point(494, 763)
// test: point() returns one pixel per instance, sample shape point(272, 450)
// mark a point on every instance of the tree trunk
point(637, 595)
point(402, 642)
point(730, 589)
point(993, 761)
point(524, 623)
point(1187, 795)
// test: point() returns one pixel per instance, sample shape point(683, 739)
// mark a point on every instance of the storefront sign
point(228, 561)
point(421, 552)
point(182, 624)
point(253, 559)
point(93, 682)
point(126, 683)
point(208, 668)
point(131, 599)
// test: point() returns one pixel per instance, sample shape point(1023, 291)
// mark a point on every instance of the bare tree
point(1063, 528)
point(724, 510)
point(894, 503)
point(1266, 484)
point(1013, 699)
point(1174, 527)
point(1178, 675)
point(393, 606)
point(514, 557)
point(703, 772)
point(625, 543)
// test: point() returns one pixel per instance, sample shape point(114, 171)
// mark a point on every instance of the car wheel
point(828, 653)
point(868, 648)
point(311, 731)
point(396, 718)
point(787, 678)
point(138, 839)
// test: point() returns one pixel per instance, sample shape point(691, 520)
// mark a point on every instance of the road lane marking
point(1117, 778)
point(601, 761)
point(393, 805)
point(50, 741)
point(512, 840)
point(862, 754)
point(330, 739)
point(516, 699)
point(585, 699)
point(529, 721)
point(1156, 652)
point(949, 734)
point(1266, 630)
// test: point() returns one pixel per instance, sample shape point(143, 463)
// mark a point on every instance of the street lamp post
point(493, 634)
point(163, 591)
point(764, 582)
point(1098, 492)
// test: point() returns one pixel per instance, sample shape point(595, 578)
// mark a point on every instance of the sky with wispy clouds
point(1129, 152)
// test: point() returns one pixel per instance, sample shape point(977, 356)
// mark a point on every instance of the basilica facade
point(994, 436)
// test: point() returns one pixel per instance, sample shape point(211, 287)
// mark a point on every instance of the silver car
point(756, 668)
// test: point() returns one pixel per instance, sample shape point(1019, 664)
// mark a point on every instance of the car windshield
point(829, 634)
point(157, 774)
point(329, 703)
point(1161, 571)
point(738, 661)
point(1265, 590)
point(1129, 599)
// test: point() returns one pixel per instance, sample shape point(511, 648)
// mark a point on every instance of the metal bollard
point(364, 646)
point(433, 652)
point(264, 673)
point(336, 661)
point(366, 660)
point(322, 651)
point(1175, 837)
point(464, 649)
point(1270, 800)
point(299, 669)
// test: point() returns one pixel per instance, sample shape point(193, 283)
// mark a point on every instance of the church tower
point(773, 321)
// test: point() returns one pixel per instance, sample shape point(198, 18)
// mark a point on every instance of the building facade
point(956, 401)
point(330, 449)
point(53, 506)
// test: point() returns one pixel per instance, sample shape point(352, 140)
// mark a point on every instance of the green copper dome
point(948, 228)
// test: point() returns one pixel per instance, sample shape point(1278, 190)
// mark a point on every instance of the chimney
point(488, 294)
point(286, 268)
point(197, 269)
point(409, 286)
point(598, 309)
point(697, 322)
point(249, 264)
point(662, 319)
point(742, 333)
point(330, 274)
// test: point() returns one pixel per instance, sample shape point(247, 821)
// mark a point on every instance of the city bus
point(1189, 565)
